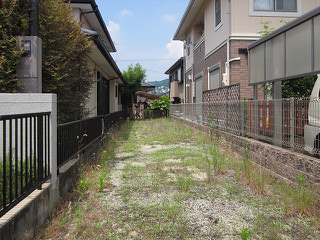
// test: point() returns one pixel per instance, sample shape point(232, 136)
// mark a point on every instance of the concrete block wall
point(279, 162)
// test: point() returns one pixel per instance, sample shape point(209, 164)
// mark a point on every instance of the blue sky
point(142, 31)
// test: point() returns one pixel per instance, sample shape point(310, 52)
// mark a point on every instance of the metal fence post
point(53, 141)
point(292, 124)
point(242, 118)
point(255, 112)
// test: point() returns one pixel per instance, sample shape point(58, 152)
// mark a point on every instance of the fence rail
point(73, 137)
point(289, 123)
point(25, 158)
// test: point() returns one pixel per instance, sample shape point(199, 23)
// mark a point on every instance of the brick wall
point(220, 56)
point(239, 69)
point(198, 57)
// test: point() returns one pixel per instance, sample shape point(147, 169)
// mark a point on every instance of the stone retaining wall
point(278, 161)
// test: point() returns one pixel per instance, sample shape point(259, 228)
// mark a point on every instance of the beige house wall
point(245, 23)
point(189, 59)
point(91, 104)
point(215, 36)
point(113, 99)
point(181, 92)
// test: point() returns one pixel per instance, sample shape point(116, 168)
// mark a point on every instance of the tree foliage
point(133, 76)
point(299, 87)
point(65, 49)
point(161, 104)
point(13, 23)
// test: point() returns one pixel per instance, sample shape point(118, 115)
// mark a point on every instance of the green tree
point(299, 87)
point(65, 49)
point(133, 76)
point(13, 23)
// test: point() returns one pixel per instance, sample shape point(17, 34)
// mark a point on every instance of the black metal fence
point(25, 156)
point(25, 150)
point(75, 136)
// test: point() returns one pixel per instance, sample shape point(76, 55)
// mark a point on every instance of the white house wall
point(91, 104)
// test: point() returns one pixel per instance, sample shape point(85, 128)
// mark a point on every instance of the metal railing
point(74, 137)
point(289, 123)
point(25, 156)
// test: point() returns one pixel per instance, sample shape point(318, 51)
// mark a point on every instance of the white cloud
point(170, 18)
point(126, 12)
point(114, 30)
point(175, 49)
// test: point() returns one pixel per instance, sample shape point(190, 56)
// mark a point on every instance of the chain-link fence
point(292, 123)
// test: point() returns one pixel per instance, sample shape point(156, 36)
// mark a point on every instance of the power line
point(146, 59)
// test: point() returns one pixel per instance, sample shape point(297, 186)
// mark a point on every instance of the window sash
point(218, 12)
point(275, 5)
point(286, 5)
point(214, 79)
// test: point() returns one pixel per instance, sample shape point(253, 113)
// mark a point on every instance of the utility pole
point(34, 18)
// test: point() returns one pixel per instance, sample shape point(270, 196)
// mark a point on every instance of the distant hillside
point(164, 82)
point(161, 87)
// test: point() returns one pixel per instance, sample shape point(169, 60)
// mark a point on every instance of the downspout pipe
point(34, 18)
point(228, 39)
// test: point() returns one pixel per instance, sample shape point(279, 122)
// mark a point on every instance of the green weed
point(184, 183)
point(245, 233)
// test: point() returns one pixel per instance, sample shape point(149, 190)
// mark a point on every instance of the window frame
point(217, 25)
point(188, 46)
point(212, 69)
point(275, 13)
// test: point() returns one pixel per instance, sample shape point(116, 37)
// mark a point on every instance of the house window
point(217, 12)
point(188, 46)
point(179, 76)
point(214, 77)
point(275, 5)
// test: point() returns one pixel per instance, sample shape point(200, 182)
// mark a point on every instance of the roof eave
point(177, 35)
point(108, 57)
point(176, 64)
point(95, 8)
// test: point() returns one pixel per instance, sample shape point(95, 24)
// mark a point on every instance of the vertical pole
point(34, 18)
point(53, 141)
point(242, 118)
point(277, 105)
point(4, 171)
point(40, 149)
point(292, 124)
point(255, 110)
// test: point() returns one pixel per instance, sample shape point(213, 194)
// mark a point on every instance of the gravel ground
point(160, 183)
